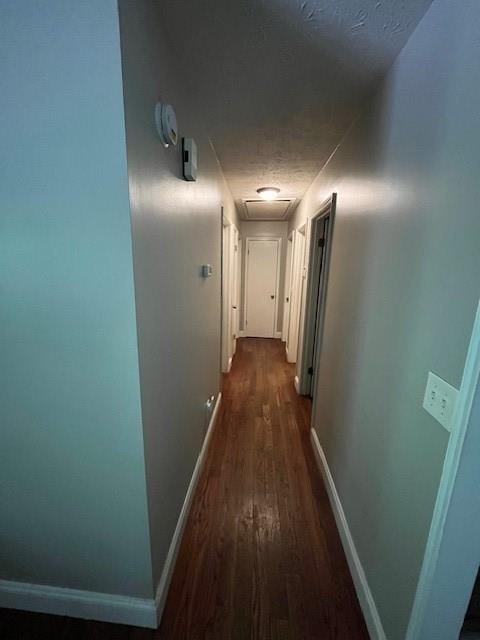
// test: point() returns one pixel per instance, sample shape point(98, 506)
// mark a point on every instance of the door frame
point(235, 282)
point(248, 241)
point(299, 244)
point(227, 262)
point(452, 549)
point(287, 289)
point(313, 316)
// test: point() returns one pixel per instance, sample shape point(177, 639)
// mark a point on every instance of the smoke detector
point(166, 122)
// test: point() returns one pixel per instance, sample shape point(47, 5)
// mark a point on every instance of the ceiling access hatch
point(278, 209)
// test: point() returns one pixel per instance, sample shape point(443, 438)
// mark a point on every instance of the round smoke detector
point(166, 122)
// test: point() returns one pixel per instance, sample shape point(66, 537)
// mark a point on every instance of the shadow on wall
point(176, 227)
point(320, 61)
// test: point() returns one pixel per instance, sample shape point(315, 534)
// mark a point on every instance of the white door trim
point(287, 287)
point(235, 282)
point(310, 324)
point(225, 289)
point(424, 606)
point(248, 241)
point(228, 293)
point(298, 257)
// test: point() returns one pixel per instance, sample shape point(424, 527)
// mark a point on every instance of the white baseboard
point(296, 383)
point(278, 335)
point(106, 607)
point(365, 597)
point(165, 578)
point(78, 604)
point(241, 334)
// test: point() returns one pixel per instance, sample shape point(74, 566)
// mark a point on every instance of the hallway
point(261, 557)
point(211, 211)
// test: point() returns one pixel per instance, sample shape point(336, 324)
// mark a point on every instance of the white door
point(261, 287)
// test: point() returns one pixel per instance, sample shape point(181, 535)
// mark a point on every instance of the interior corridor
point(261, 556)
point(239, 319)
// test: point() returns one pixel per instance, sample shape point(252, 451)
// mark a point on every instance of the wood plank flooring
point(261, 557)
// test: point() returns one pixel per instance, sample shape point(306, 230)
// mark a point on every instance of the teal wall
point(72, 477)
point(403, 290)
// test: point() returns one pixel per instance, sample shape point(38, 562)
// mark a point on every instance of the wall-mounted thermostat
point(166, 122)
point(207, 270)
point(189, 159)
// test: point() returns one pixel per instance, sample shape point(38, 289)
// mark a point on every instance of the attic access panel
point(264, 210)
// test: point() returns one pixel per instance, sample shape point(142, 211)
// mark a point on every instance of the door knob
point(272, 297)
point(234, 307)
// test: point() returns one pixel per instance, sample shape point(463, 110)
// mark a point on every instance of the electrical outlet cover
point(440, 399)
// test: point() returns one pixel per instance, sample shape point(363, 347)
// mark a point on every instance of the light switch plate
point(440, 399)
point(207, 270)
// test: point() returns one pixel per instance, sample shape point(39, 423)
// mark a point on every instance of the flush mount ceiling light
point(268, 193)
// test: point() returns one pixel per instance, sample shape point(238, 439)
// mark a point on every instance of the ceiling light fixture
point(268, 193)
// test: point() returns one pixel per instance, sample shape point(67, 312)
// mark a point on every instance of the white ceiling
point(263, 210)
point(280, 81)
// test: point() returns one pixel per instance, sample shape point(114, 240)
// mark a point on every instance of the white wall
point(258, 229)
point(459, 554)
point(176, 228)
point(88, 501)
point(404, 286)
point(72, 475)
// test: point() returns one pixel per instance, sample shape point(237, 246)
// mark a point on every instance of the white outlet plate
point(440, 399)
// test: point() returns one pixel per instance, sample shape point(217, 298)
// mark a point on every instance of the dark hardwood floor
point(261, 557)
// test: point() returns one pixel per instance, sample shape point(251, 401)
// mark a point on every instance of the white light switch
point(439, 401)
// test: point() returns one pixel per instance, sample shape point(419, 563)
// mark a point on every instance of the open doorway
point(296, 292)
point(235, 284)
point(314, 310)
point(287, 288)
point(230, 292)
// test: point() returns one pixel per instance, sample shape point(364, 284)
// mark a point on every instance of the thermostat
point(207, 270)
point(166, 122)
point(189, 159)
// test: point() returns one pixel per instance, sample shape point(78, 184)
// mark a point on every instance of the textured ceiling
point(262, 210)
point(280, 81)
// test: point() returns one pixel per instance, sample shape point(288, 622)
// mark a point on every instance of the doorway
point(235, 284)
point(230, 292)
point(287, 288)
point(296, 292)
point(317, 278)
point(262, 270)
